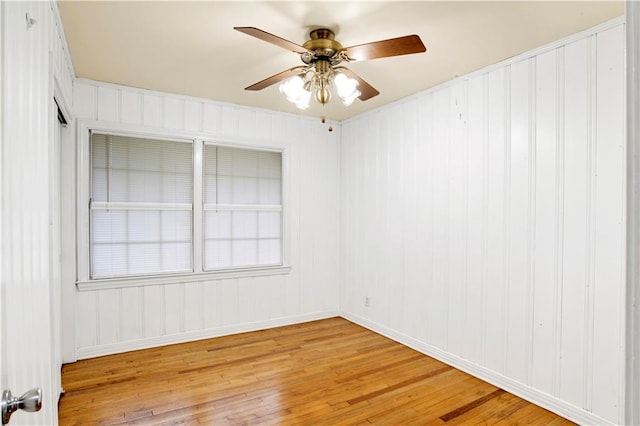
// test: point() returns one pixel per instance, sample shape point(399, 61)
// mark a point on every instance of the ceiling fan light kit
point(298, 89)
point(322, 56)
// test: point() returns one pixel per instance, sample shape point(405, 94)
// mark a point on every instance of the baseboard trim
point(528, 393)
point(189, 336)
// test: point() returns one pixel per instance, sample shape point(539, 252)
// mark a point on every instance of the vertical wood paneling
point(173, 113)
point(514, 191)
point(440, 153)
point(292, 280)
point(425, 171)
point(228, 302)
point(609, 196)
point(153, 308)
point(474, 315)
point(282, 129)
point(263, 125)
point(393, 240)
point(193, 113)
point(307, 191)
point(247, 130)
point(211, 118)
point(632, 294)
point(383, 281)
point(230, 123)
point(86, 331)
point(174, 308)
point(409, 221)
point(84, 101)
point(247, 292)
point(276, 294)
point(193, 302)
point(131, 314)
point(519, 225)
point(574, 224)
point(108, 317)
point(496, 224)
point(152, 107)
point(131, 109)
point(333, 164)
point(210, 300)
point(361, 202)
point(457, 212)
point(108, 104)
point(545, 233)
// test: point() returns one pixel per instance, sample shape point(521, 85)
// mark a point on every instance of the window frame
point(83, 245)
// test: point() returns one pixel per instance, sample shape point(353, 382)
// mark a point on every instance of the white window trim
point(85, 283)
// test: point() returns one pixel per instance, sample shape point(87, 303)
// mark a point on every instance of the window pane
point(269, 224)
point(241, 176)
point(244, 225)
point(127, 242)
point(127, 169)
point(217, 225)
point(217, 254)
point(244, 252)
point(269, 252)
point(269, 191)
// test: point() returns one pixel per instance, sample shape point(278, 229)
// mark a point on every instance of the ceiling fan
point(322, 56)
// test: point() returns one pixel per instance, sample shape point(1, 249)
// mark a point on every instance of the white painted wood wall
point(484, 220)
point(116, 320)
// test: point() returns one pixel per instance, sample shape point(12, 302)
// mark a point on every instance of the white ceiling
point(190, 48)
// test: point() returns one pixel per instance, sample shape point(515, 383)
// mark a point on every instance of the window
point(145, 200)
point(141, 206)
point(242, 203)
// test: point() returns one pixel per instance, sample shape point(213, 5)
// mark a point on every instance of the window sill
point(114, 283)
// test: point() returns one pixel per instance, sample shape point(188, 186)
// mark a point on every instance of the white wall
point(484, 220)
point(115, 320)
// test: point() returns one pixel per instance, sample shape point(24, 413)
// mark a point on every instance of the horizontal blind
point(141, 206)
point(242, 194)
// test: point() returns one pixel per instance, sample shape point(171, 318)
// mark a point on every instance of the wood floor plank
point(321, 372)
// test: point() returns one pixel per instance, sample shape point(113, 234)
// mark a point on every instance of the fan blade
point(385, 48)
point(270, 38)
point(275, 78)
point(367, 91)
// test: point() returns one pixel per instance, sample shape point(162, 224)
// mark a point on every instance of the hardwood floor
point(318, 373)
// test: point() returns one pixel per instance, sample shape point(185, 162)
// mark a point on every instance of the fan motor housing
point(322, 43)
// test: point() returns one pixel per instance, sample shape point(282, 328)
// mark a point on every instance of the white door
point(26, 248)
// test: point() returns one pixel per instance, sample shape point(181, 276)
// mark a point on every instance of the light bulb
point(293, 88)
point(346, 101)
point(347, 88)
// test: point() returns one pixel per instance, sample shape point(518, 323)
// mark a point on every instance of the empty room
point(306, 212)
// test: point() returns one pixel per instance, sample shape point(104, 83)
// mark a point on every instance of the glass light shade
point(348, 100)
point(347, 88)
point(293, 89)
